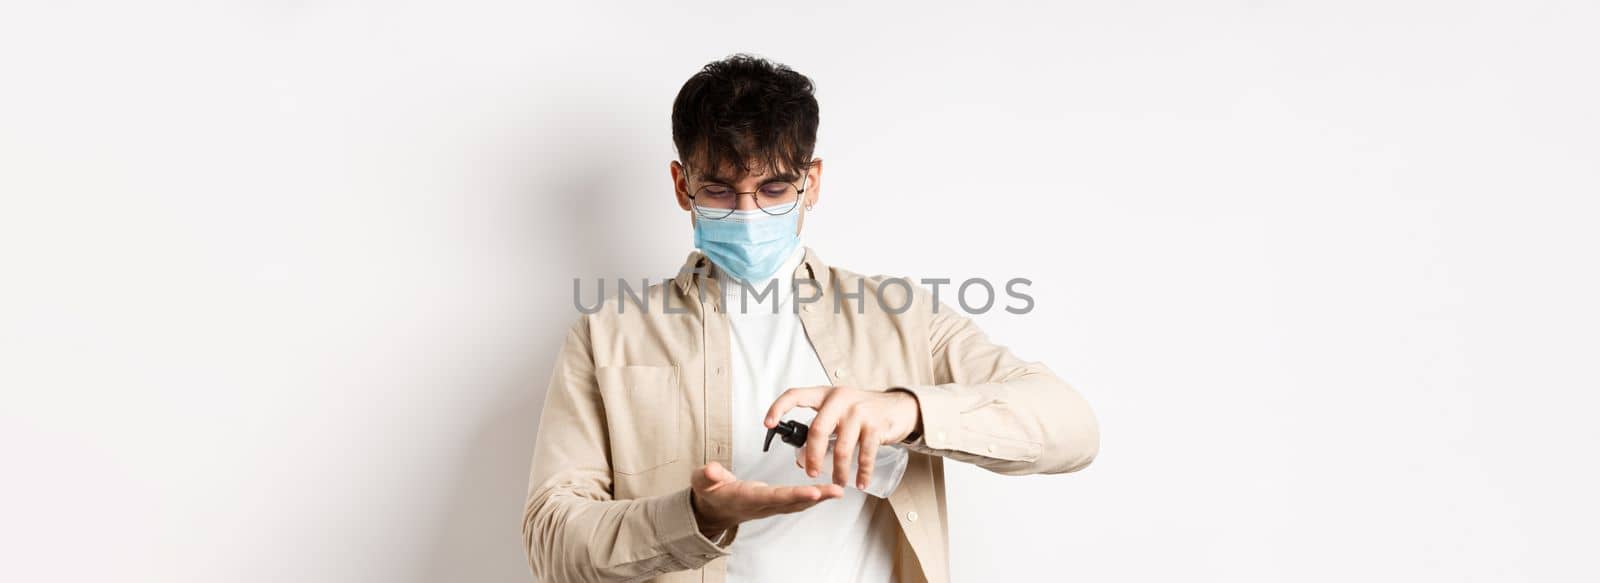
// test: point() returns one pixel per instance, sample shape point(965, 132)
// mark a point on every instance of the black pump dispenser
point(793, 432)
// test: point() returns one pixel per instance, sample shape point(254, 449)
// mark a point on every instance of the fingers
point(844, 449)
point(822, 426)
point(769, 498)
point(869, 457)
point(764, 495)
point(758, 501)
point(795, 397)
point(816, 495)
point(722, 498)
point(792, 507)
point(828, 492)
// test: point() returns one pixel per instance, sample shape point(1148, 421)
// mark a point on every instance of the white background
point(280, 282)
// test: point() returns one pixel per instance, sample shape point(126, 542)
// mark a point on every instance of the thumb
point(710, 475)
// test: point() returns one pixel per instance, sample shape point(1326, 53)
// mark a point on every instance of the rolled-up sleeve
point(572, 527)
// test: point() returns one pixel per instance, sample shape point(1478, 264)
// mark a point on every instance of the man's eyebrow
point(781, 176)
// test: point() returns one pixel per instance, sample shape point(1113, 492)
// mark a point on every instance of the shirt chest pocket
point(644, 415)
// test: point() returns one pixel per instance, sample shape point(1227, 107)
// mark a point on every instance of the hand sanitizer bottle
point(888, 468)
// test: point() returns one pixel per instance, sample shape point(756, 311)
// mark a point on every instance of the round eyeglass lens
point(715, 201)
point(776, 198)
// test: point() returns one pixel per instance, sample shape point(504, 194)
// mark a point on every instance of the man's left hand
point(863, 420)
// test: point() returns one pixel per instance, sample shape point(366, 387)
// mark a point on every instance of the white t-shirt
point(836, 540)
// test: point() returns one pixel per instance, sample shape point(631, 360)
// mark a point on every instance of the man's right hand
point(721, 500)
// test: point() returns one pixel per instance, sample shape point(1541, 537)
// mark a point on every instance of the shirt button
point(991, 448)
point(911, 516)
point(717, 370)
point(839, 373)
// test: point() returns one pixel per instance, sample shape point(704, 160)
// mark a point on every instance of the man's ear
point(680, 184)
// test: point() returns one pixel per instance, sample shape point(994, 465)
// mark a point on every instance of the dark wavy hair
point(757, 115)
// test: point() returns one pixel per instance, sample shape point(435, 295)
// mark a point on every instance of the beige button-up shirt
point(640, 397)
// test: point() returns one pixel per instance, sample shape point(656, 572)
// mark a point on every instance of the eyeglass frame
point(799, 193)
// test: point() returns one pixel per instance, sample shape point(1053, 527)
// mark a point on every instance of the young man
point(650, 463)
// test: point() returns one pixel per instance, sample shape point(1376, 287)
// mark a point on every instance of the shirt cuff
point(956, 418)
point(679, 533)
point(940, 410)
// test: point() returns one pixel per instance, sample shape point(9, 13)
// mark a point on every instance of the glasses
point(774, 197)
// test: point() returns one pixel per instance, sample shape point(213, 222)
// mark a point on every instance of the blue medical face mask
point(751, 244)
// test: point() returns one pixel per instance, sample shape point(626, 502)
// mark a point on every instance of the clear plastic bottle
point(889, 465)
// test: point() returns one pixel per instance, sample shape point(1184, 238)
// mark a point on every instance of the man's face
point(750, 186)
